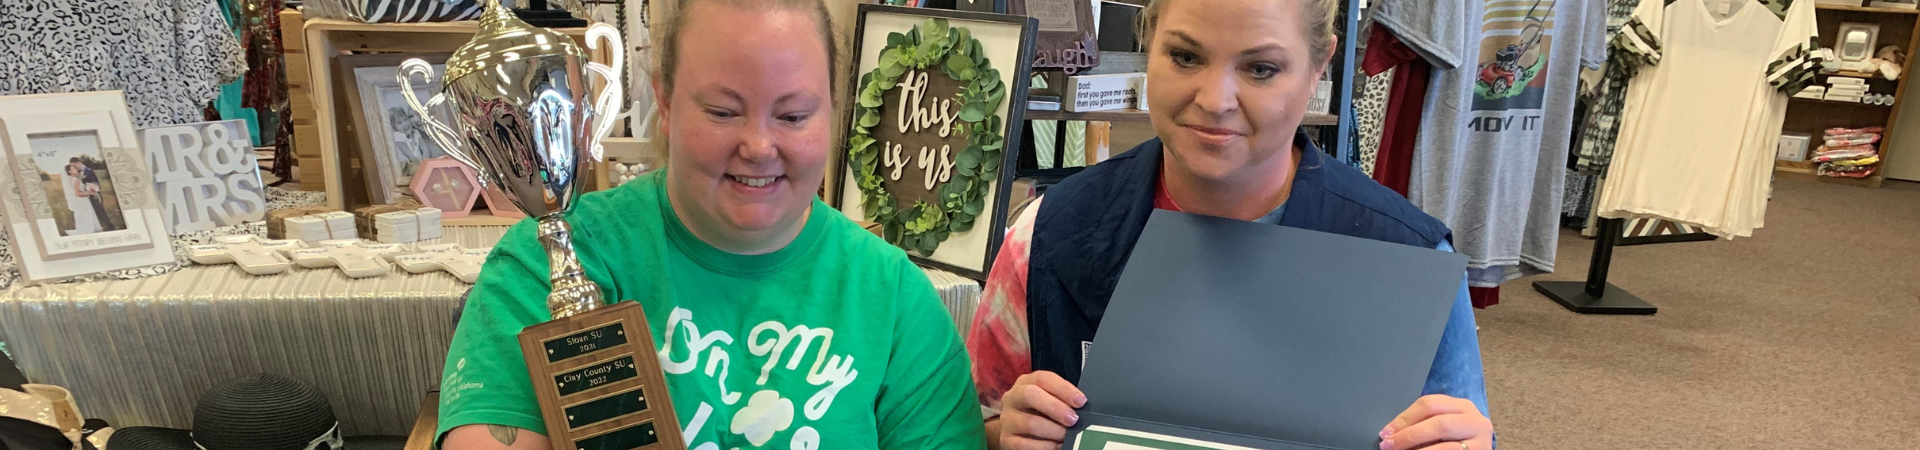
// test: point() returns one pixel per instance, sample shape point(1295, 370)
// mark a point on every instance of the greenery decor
point(958, 183)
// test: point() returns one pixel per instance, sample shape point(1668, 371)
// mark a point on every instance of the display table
point(141, 352)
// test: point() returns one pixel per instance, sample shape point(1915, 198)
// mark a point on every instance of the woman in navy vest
point(1228, 84)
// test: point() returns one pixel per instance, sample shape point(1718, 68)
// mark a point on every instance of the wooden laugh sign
point(920, 133)
point(599, 382)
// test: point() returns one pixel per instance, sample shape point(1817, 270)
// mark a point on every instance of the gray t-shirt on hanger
point(1491, 154)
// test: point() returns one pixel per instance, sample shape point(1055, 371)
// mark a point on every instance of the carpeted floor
point(1805, 336)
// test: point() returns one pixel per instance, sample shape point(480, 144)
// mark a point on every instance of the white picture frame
point(58, 149)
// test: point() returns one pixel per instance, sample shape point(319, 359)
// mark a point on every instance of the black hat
point(260, 412)
point(22, 434)
point(264, 412)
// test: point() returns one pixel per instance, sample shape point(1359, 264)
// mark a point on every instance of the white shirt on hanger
point(1698, 133)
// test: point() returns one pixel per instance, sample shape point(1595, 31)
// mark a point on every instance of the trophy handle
point(439, 132)
point(606, 108)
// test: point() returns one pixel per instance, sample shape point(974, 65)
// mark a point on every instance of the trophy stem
point(572, 292)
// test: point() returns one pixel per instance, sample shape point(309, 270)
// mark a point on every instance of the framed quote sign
point(204, 175)
point(935, 126)
point(1066, 38)
point(78, 194)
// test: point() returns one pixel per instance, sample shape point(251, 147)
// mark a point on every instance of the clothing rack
point(1596, 295)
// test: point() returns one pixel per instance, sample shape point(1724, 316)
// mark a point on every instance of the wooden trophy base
point(599, 382)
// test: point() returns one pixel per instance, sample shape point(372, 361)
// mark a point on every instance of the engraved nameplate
point(585, 341)
point(622, 439)
point(607, 389)
point(606, 408)
point(596, 375)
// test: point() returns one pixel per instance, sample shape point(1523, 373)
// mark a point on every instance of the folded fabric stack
point(1849, 152)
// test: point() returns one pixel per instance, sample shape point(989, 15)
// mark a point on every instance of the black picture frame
point(1071, 51)
point(1021, 68)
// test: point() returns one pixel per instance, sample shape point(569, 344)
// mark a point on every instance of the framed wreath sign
point(934, 127)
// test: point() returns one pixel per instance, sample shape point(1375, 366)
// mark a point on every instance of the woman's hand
point(1438, 422)
point(1036, 412)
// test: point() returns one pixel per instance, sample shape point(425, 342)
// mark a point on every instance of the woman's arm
point(926, 395)
point(485, 382)
point(997, 339)
point(1453, 406)
point(493, 437)
point(1026, 410)
point(1456, 370)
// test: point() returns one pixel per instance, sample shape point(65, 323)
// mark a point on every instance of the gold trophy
point(522, 118)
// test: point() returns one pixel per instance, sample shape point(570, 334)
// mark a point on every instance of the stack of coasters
point(395, 224)
point(365, 218)
point(276, 219)
point(408, 226)
point(310, 224)
point(428, 218)
point(396, 227)
point(306, 228)
point(340, 225)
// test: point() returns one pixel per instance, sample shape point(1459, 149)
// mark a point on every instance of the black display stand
point(1596, 296)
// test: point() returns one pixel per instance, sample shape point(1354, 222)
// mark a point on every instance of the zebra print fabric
point(394, 11)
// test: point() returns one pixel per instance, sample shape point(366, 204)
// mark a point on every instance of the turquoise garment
point(228, 103)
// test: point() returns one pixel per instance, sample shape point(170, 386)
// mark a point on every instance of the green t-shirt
point(836, 341)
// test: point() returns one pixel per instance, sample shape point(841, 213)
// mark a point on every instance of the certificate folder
point(1262, 336)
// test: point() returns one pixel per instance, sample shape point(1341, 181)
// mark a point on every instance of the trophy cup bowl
point(526, 118)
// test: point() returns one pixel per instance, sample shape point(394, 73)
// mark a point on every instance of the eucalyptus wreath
point(922, 227)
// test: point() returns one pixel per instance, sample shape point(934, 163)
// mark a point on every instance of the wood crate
point(306, 136)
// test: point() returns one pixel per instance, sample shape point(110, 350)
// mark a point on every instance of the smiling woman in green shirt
point(781, 324)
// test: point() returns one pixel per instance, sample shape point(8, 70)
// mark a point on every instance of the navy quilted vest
point(1088, 224)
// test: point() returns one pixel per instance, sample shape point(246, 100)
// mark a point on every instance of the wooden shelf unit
point(1897, 27)
point(306, 135)
point(1838, 102)
point(325, 39)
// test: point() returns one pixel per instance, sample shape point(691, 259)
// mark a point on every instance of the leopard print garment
point(169, 56)
point(1369, 115)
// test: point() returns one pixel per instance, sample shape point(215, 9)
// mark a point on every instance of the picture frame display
point(389, 137)
point(78, 193)
point(935, 129)
point(1066, 39)
point(1855, 42)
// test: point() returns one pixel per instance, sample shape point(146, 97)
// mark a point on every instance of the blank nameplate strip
point(599, 410)
point(628, 438)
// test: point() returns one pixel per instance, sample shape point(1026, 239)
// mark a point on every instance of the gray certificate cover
point(1263, 336)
